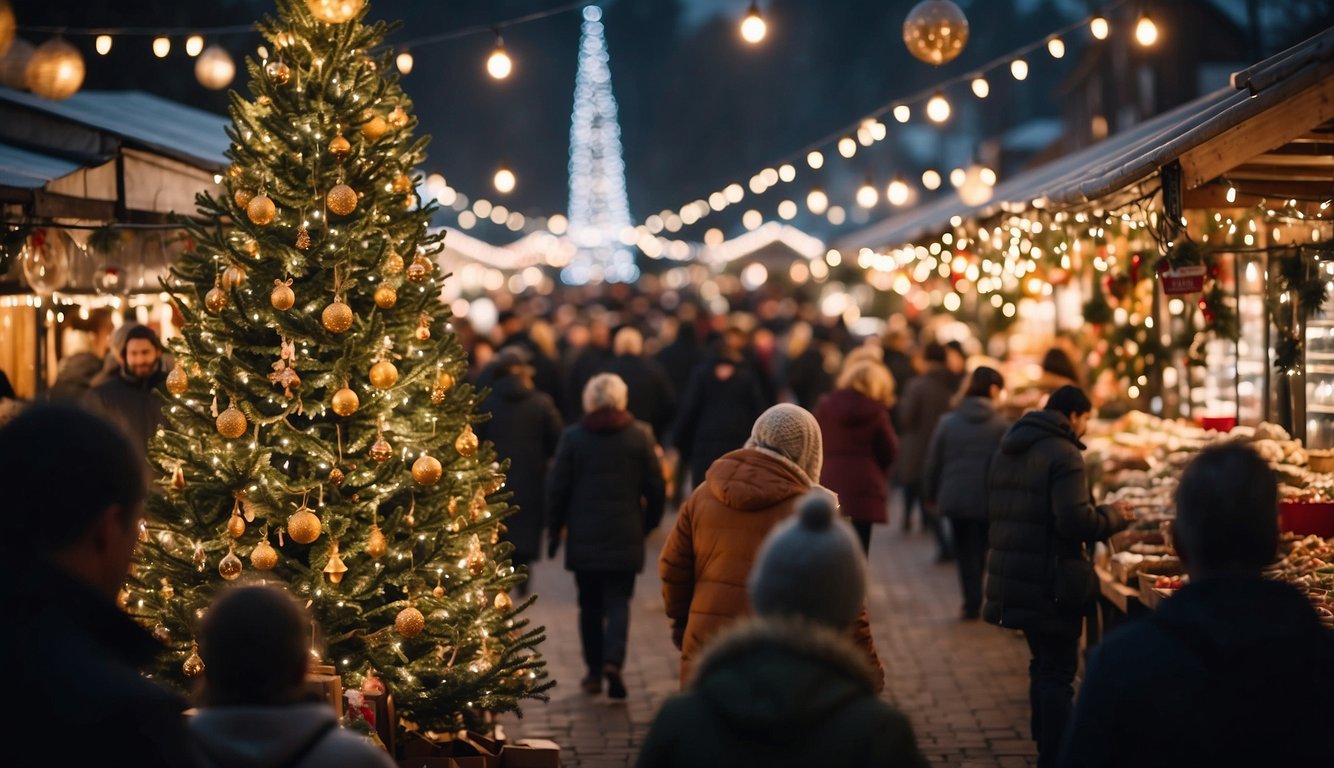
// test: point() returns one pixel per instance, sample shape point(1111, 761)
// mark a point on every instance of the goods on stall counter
point(1307, 563)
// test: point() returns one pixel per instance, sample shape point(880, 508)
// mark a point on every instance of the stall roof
point(1098, 173)
point(22, 169)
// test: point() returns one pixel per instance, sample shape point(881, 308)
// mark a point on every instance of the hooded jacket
point(720, 404)
point(708, 555)
point(1239, 672)
point(955, 478)
point(859, 446)
point(291, 736)
point(1041, 518)
point(779, 692)
point(134, 403)
point(925, 400)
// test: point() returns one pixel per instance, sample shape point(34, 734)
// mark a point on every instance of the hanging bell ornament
point(243, 198)
point(398, 117)
point(335, 568)
point(377, 545)
point(380, 450)
point(342, 199)
point(215, 300)
point(410, 622)
point(302, 238)
point(278, 72)
point(230, 567)
point(393, 264)
point(419, 269)
point(231, 423)
point(384, 374)
point(236, 525)
point(345, 402)
point(303, 526)
point(263, 557)
point(427, 470)
point(177, 381)
point(386, 296)
point(340, 147)
point(503, 602)
point(337, 317)
point(466, 443)
point(193, 666)
point(374, 127)
point(337, 477)
point(402, 184)
point(281, 297)
point(232, 277)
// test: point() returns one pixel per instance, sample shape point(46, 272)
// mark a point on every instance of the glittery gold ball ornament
point(337, 477)
point(402, 184)
point(278, 72)
point(177, 381)
point(193, 666)
point(236, 526)
point(419, 269)
point(264, 556)
point(935, 31)
point(410, 622)
point(386, 296)
point(342, 199)
point(282, 298)
point(303, 526)
point(232, 277)
point(345, 402)
point(384, 374)
point(503, 602)
point(337, 317)
point(380, 449)
point(243, 198)
point(215, 300)
point(377, 545)
point(230, 567)
point(393, 264)
point(427, 470)
point(231, 423)
point(398, 117)
point(261, 210)
point(423, 333)
point(374, 127)
point(466, 443)
point(340, 147)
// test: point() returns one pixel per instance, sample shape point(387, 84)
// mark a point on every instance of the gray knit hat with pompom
point(811, 565)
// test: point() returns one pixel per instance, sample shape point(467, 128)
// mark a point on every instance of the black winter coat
point(135, 404)
point(925, 400)
point(1231, 671)
point(806, 377)
point(524, 427)
point(718, 410)
point(606, 489)
point(1042, 517)
point(652, 399)
point(955, 477)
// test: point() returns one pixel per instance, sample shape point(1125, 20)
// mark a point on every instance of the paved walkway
point(963, 685)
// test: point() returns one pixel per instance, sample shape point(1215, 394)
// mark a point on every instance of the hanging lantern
point(214, 69)
point(45, 260)
point(334, 11)
point(55, 70)
point(935, 31)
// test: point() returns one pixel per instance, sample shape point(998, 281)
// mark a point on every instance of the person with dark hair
point(1039, 575)
point(721, 401)
point(73, 511)
point(133, 397)
point(954, 483)
point(925, 400)
point(254, 705)
point(788, 687)
point(1222, 654)
point(956, 362)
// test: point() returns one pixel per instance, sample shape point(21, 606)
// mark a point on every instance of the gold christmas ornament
point(215, 300)
point(340, 147)
point(445, 381)
point(236, 525)
point(334, 11)
point(380, 449)
point(231, 423)
point(335, 568)
point(177, 381)
point(374, 127)
point(302, 238)
point(386, 296)
point(345, 402)
point(402, 184)
point(503, 602)
point(342, 199)
point(476, 562)
point(466, 443)
point(282, 298)
point(410, 622)
point(243, 198)
point(178, 478)
point(439, 591)
point(337, 477)
point(261, 210)
point(251, 247)
point(232, 277)
point(384, 374)
point(398, 117)
point(263, 557)
point(230, 567)
point(303, 526)
point(419, 269)
point(337, 316)
point(377, 545)
point(423, 332)
point(278, 72)
point(935, 31)
point(161, 634)
point(193, 666)
point(427, 470)
point(393, 264)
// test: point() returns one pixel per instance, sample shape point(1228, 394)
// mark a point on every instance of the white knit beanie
point(810, 565)
point(793, 433)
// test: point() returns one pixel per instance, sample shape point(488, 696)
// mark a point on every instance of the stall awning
point(22, 169)
point(1273, 99)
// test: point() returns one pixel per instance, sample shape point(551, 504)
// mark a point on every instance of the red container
point(1218, 423)
point(1307, 517)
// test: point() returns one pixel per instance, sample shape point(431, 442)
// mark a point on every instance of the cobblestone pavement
point(963, 685)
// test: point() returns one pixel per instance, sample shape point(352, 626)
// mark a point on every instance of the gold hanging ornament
point(503, 602)
point(278, 72)
point(236, 524)
point(303, 526)
point(230, 567)
point(216, 299)
point(377, 545)
point(281, 297)
point(335, 568)
point(427, 469)
point(340, 147)
point(475, 562)
point(935, 31)
point(243, 198)
point(264, 557)
point(386, 296)
point(393, 263)
point(374, 127)
point(232, 277)
point(410, 622)
point(402, 184)
point(439, 590)
point(177, 382)
point(380, 449)
point(261, 210)
point(345, 401)
point(466, 443)
point(178, 477)
point(398, 117)
point(302, 238)
point(337, 317)
point(342, 199)
point(334, 11)
point(193, 666)
point(443, 383)
point(337, 477)
point(251, 247)
point(419, 269)
point(231, 423)
point(383, 374)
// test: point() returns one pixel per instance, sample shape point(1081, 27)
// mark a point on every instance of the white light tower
point(599, 208)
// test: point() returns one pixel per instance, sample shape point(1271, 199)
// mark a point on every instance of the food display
point(1307, 563)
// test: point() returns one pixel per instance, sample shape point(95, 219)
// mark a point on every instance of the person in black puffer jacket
point(1039, 576)
point(605, 490)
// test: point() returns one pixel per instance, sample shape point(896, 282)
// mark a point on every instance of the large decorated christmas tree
point(318, 431)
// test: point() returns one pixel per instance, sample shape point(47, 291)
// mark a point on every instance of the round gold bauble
point(261, 210)
point(243, 197)
point(337, 316)
point(503, 602)
point(393, 264)
point(342, 199)
point(193, 666)
point(410, 622)
point(439, 591)
point(402, 184)
point(377, 545)
point(303, 526)
point(466, 443)
point(55, 70)
point(374, 127)
point(427, 470)
point(340, 147)
point(282, 298)
point(263, 557)
point(380, 449)
point(386, 296)
point(232, 277)
point(215, 300)
point(236, 526)
point(177, 381)
point(398, 117)
point(384, 374)
point(345, 402)
point(334, 11)
point(337, 477)
point(278, 72)
point(230, 567)
point(231, 423)
point(419, 269)
point(935, 31)
point(445, 381)
point(423, 333)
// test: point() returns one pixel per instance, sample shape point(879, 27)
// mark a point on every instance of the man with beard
point(131, 396)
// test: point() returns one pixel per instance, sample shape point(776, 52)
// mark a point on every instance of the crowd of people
point(771, 445)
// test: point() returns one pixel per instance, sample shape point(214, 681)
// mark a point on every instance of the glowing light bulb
point(498, 64)
point(194, 44)
point(1099, 27)
point(1019, 68)
point(815, 159)
point(981, 88)
point(1146, 32)
point(1231, 194)
point(867, 196)
point(931, 179)
point(847, 146)
point(898, 192)
point(103, 44)
point(1056, 47)
point(902, 113)
point(161, 47)
point(753, 28)
point(817, 201)
point(404, 63)
point(938, 108)
point(504, 180)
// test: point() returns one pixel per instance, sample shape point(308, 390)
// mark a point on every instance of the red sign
point(1185, 279)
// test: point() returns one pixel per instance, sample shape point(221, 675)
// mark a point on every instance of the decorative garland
point(1296, 281)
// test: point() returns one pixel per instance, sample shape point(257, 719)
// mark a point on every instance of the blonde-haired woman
point(859, 443)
